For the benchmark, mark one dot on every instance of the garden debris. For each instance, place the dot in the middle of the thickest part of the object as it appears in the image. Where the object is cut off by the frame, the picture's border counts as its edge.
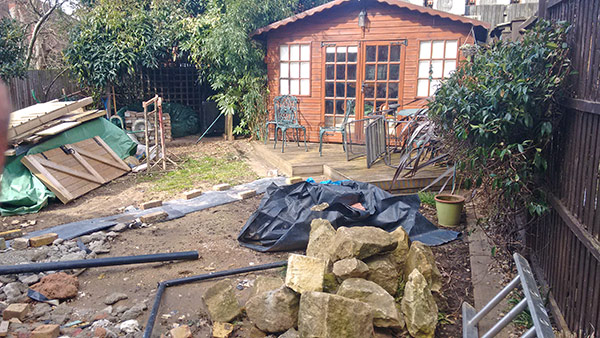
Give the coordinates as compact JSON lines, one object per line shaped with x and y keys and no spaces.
{"x":20,"y":243}
{"x":418,"y":306}
{"x":46,"y":331}
{"x":221,"y":302}
{"x":114,"y":297}
{"x":2,"y":243}
{"x":151,"y":204}
{"x":4,"y":328}
{"x":222,"y":330}
{"x":274,"y":311}
{"x":247,"y":194}
{"x":57,"y":286}
{"x":320,"y":207}
{"x":154,"y":217}
{"x":350,"y":268}
{"x":129,"y":326}
{"x":10,"y":234}
{"x":192,"y":194}
{"x":182,"y":331}
{"x":41,"y":240}
{"x":221,"y":187}
{"x":293,"y":180}
{"x":421,"y":257}
{"x":18,"y":310}
{"x":305,"y":273}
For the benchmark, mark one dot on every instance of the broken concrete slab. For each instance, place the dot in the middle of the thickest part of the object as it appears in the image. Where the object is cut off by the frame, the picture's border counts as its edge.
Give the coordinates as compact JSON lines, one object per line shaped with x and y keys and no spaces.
{"x":362,"y":242}
{"x":221,"y":302}
{"x":305,"y":273}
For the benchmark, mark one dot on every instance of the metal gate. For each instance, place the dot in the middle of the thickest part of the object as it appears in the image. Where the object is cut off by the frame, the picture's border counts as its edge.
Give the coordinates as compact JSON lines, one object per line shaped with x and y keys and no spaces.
{"x":375,"y":134}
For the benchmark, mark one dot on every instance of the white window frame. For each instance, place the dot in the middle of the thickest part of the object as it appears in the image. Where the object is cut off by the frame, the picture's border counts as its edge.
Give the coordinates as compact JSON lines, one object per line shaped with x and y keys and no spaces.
{"x":449,"y":55}
{"x":295,"y":69}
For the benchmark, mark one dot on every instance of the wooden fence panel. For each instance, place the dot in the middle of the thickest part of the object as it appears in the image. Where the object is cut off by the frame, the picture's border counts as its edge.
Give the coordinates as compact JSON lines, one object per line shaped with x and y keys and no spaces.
{"x":46,"y":85}
{"x":566,"y":242}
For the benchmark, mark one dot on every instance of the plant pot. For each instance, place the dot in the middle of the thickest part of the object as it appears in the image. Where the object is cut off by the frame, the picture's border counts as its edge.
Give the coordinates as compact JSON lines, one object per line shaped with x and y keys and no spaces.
{"x":449,"y":208}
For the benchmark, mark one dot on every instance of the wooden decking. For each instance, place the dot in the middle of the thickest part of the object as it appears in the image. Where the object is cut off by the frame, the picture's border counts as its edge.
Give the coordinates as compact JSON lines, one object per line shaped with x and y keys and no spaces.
{"x":295,"y":161}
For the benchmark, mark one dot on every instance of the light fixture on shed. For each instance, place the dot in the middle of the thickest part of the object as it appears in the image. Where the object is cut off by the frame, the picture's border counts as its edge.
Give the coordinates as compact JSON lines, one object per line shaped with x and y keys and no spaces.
{"x":362,"y":19}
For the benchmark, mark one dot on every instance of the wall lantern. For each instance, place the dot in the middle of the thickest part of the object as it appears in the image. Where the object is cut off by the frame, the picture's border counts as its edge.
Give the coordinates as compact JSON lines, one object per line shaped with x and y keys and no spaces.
{"x":362,"y":19}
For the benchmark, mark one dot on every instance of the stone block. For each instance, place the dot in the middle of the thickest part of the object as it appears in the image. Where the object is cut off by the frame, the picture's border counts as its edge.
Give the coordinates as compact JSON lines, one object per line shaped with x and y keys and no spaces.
{"x":362,"y":242}
{"x":10,"y":234}
{"x":46,"y":331}
{"x":20,"y":243}
{"x":151,"y":204}
{"x":293,"y":180}
{"x":247,"y":194}
{"x":421,"y":257}
{"x":419,"y":307}
{"x":17,"y":310}
{"x":350,"y":268}
{"x":320,"y":240}
{"x":192,"y":194}
{"x":274,"y":311}
{"x":221,"y":302}
{"x":4,"y":328}
{"x":154,"y":217}
{"x":383,"y":272}
{"x":41,"y":240}
{"x":182,"y":331}
{"x":400,"y":254}
{"x":266,"y":283}
{"x":305,"y":273}
{"x":221,"y":187}
{"x":222,"y":330}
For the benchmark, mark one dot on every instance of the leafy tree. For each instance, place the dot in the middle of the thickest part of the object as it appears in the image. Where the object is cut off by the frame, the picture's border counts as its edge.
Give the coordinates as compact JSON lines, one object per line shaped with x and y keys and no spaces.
{"x":12,"y":49}
{"x":497,"y":114}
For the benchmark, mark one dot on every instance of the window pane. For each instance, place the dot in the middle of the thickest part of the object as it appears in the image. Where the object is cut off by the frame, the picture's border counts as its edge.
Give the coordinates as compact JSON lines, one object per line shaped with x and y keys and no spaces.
{"x":351,"y":72}
{"x":305,"y":52}
{"x":340,"y":72}
{"x":394,"y":72}
{"x":368,"y":107}
{"x":339,"y":89}
{"x":449,"y":67}
{"x":381,"y":72}
{"x":370,"y":72}
{"x":369,"y":89}
{"x":339,"y":107}
{"x":295,"y":87}
{"x":436,"y":66}
{"x":294,"y":70}
{"x":395,"y":53}
{"x":329,"y":89}
{"x":433,"y":86}
{"x":329,"y":72}
{"x":423,"y":69}
{"x":371,"y":50}
{"x":284,"y":70}
{"x":352,"y":52}
{"x":422,"y":88}
{"x":284,"y":52}
{"x":351,"y":89}
{"x":382,"y":53}
{"x":451,"y":49}
{"x":393,"y":90}
{"x":304,"y":87}
{"x":380,"y":105}
{"x":341,"y":54}
{"x":329,"y":119}
{"x":381,"y":90}
{"x":425,"y":50}
{"x":328,"y":106}
{"x":438,"y":50}
{"x":295,"y":52}
{"x":305,"y":70}
{"x":284,"y":87}
{"x":330,"y":54}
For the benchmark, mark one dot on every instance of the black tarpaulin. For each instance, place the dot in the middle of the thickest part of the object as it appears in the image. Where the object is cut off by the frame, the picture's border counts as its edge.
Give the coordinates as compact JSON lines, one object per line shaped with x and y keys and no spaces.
{"x":282,"y":221}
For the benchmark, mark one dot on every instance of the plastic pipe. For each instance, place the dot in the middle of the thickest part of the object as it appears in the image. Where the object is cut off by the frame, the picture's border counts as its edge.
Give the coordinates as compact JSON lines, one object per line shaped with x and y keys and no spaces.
{"x":173,"y":282}
{"x":90,"y":263}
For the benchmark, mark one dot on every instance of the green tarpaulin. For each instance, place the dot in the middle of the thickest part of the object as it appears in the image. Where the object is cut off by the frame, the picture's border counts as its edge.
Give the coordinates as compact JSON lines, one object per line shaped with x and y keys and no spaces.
{"x":22,"y":193}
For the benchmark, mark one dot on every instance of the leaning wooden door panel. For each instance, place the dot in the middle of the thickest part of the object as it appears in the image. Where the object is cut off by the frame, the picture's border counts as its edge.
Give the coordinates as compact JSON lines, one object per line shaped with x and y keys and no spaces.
{"x":75,"y":169}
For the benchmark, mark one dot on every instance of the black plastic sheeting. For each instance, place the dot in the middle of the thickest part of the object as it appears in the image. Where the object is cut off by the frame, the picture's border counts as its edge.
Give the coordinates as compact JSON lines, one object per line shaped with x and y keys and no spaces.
{"x":282,"y":221}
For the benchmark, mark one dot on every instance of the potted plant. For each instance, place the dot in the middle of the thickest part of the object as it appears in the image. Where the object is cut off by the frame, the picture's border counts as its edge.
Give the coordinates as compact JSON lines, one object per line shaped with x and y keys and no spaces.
{"x":449,"y":208}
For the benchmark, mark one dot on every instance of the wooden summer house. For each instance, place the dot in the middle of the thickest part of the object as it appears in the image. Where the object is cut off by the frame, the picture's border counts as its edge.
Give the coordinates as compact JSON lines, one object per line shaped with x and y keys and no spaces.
{"x":376,"y":52}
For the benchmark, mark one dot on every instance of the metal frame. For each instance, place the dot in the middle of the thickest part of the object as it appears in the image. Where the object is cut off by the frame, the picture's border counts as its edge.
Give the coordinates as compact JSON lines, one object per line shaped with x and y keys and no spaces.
{"x":376,"y":140}
{"x":542,"y":328}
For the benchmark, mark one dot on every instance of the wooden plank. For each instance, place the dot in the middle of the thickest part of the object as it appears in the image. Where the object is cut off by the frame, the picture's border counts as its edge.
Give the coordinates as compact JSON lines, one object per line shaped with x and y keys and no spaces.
{"x":592,"y":107}
{"x":48,"y":179}
{"x":68,"y":170}
{"x":591,"y":243}
{"x":57,"y":129}
{"x":117,"y":159}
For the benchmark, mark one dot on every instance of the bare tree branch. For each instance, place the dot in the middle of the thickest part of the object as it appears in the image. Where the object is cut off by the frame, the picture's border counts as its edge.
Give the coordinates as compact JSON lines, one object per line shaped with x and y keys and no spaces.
{"x":37,"y":28}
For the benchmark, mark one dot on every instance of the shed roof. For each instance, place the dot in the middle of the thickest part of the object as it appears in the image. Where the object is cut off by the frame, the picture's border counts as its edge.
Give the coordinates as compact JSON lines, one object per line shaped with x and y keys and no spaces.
{"x":397,"y":3}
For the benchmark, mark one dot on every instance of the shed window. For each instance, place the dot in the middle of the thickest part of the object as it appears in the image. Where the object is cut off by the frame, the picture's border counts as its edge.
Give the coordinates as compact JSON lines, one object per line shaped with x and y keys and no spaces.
{"x":294,"y":69}
{"x":437,"y":61}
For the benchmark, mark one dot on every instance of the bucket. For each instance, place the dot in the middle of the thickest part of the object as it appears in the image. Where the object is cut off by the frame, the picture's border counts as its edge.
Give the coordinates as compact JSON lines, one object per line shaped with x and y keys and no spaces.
{"x":449,"y":207}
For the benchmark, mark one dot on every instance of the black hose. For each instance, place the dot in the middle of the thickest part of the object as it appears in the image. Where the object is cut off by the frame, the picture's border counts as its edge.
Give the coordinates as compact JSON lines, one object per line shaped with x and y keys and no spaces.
{"x":90,"y":263}
{"x":173,"y":282}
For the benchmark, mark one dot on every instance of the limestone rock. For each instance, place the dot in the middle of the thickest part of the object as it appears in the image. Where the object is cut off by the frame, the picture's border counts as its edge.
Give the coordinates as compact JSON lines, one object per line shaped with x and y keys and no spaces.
{"x":274,"y":311}
{"x":324,"y":315}
{"x":361,"y":242}
{"x":305,"y":273}
{"x":418,"y":306}
{"x":385,"y":313}
{"x":134,"y":312}
{"x":114,"y":297}
{"x":221,"y":301}
{"x":266,"y":283}
{"x":330,"y":283}
{"x":57,"y":286}
{"x":14,"y":291}
{"x":350,"y":268}
{"x":222,"y":330}
{"x":182,"y":331}
{"x":291,"y":333}
{"x":383,"y":272}
{"x":421,"y":257}
{"x":320,"y":240}
{"x":400,"y":254}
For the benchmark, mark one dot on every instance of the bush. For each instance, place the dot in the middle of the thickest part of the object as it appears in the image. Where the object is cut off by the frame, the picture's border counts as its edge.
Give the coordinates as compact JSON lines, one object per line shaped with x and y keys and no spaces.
{"x":496,"y":115}
{"x":12,"y":49}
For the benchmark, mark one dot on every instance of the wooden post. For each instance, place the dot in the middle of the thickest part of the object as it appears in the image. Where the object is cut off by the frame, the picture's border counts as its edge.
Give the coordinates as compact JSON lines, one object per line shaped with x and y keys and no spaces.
{"x":146,"y":137}
{"x":229,"y":127}
{"x":162,"y":132}
{"x":108,"y":99}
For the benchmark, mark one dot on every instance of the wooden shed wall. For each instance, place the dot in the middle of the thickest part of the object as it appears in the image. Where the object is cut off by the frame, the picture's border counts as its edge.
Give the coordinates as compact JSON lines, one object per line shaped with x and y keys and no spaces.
{"x":340,"y":24}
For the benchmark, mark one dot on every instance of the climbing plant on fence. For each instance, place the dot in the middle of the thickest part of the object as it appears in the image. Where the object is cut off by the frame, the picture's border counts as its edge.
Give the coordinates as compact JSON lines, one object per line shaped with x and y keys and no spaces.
{"x":497,"y":113}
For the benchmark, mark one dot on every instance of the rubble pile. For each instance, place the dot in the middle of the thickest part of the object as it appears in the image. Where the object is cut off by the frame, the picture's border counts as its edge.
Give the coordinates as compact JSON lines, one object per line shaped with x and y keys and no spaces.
{"x":352,"y":282}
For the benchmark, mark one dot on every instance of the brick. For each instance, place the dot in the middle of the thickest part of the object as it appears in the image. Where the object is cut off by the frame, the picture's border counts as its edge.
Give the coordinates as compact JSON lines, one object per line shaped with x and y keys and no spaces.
{"x":4,"y":328}
{"x":221,"y":187}
{"x":10,"y":234}
{"x":2,"y":243}
{"x":20,"y":243}
{"x":293,"y":180}
{"x":41,"y":240}
{"x":182,"y":331}
{"x":16,"y":310}
{"x":46,"y":331}
{"x":154,"y":217}
{"x":150,"y":204}
{"x":192,"y":194}
{"x":247,"y":194}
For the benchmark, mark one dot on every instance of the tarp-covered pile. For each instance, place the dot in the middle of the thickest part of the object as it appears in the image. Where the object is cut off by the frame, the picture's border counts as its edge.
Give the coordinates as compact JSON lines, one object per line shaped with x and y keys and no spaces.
{"x":282,"y":221}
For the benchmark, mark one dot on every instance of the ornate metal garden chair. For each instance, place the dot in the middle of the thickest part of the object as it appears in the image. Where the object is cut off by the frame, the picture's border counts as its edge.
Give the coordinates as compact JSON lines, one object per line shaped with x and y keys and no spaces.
{"x":286,"y":117}
{"x":341,"y":128}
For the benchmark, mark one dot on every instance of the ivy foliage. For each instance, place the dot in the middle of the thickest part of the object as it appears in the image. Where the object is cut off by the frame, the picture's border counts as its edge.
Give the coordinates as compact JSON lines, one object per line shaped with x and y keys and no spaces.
{"x":12,"y":49}
{"x":498,"y":111}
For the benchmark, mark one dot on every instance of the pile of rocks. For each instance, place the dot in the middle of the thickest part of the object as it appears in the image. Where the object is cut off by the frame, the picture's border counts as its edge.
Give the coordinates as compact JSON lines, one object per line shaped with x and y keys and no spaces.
{"x":350,"y":282}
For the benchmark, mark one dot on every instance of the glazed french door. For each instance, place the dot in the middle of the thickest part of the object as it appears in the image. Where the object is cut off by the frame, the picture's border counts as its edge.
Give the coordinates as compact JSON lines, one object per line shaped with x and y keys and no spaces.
{"x":340,"y":81}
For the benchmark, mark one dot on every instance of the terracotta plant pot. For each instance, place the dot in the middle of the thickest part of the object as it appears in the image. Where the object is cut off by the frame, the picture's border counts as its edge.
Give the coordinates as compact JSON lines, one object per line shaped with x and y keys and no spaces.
{"x":449,"y":208}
